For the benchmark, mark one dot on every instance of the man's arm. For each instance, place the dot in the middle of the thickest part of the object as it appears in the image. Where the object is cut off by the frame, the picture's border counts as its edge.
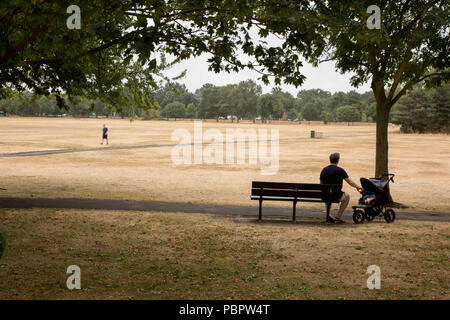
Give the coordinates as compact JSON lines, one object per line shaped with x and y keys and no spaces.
{"x":353,"y":184}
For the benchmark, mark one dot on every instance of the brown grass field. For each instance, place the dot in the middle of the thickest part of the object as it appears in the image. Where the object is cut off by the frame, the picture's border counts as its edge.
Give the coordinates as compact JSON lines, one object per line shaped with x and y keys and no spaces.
{"x":420,"y":162}
{"x":153,"y":255}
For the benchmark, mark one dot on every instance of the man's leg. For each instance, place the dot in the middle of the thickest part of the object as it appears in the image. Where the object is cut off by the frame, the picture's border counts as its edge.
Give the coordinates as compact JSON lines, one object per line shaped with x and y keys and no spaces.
{"x":343,"y":204}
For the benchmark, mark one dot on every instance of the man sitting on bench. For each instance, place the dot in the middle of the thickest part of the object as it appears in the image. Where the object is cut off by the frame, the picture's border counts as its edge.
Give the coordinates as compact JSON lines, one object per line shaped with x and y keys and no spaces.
{"x":332,"y":174}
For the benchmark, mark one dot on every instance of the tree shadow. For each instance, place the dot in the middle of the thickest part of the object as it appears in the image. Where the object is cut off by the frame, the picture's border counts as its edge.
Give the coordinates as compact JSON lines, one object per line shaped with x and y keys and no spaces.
{"x":286,"y":222}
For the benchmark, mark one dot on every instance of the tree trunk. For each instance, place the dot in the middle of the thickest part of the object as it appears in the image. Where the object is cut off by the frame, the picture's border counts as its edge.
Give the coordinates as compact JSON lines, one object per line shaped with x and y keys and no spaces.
{"x":381,"y":157}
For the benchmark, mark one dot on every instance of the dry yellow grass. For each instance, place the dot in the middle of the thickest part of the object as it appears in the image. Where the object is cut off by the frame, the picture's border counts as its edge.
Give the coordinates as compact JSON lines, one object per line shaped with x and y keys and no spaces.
{"x":151,"y":255}
{"x":420,"y":162}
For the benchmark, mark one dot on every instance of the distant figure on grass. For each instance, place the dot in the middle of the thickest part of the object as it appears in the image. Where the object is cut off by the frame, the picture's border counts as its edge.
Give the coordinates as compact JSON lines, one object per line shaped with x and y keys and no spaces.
{"x":332,"y":174}
{"x":105,"y":134}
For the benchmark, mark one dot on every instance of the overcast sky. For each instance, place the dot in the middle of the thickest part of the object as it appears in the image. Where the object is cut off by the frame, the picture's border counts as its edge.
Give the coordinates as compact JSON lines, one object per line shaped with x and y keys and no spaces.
{"x":324,"y":77}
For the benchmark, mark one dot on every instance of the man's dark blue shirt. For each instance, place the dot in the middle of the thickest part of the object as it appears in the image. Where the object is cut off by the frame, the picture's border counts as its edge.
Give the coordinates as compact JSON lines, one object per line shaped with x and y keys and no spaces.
{"x":333,"y":174}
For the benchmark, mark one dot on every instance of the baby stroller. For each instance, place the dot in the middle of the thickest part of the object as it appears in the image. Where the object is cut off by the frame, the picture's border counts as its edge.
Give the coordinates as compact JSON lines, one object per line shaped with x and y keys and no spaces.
{"x":377,"y":188}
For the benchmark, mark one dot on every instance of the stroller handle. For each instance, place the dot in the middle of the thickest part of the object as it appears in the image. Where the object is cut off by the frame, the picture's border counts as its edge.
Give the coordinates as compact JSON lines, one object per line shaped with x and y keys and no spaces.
{"x":389,"y":175}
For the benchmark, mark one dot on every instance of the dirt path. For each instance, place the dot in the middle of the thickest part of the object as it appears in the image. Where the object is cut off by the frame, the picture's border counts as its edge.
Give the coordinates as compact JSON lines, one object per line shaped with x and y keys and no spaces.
{"x":148,"y":146}
{"x":104,"y":204}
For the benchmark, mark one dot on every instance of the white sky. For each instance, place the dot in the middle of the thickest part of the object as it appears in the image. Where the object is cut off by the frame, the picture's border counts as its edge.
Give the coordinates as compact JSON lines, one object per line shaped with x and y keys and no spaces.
{"x":324,"y":77}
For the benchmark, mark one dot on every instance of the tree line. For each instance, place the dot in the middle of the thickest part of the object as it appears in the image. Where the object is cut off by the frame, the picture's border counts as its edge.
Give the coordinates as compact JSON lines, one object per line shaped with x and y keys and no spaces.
{"x":236,"y":101}
{"x":245,"y":100}
{"x":421,"y":110}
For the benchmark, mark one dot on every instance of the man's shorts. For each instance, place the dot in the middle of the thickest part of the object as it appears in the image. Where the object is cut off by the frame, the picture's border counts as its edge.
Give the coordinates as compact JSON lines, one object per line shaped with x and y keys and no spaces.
{"x":105,"y":136}
{"x":343,"y":195}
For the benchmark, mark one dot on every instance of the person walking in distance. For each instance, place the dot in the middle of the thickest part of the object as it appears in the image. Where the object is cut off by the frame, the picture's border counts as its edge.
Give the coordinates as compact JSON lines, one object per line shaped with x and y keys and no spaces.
{"x":105,"y":134}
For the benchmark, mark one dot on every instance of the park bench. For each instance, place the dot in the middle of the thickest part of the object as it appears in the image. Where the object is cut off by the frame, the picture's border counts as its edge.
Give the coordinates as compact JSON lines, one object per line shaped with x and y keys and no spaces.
{"x":295,"y":192}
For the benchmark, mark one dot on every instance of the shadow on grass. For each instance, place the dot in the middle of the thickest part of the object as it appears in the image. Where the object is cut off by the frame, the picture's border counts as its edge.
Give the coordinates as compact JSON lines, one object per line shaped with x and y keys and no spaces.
{"x":300,"y":222}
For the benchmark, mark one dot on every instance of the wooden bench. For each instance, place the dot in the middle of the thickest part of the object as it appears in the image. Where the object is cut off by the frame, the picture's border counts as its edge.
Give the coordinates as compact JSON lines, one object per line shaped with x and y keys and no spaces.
{"x":295,"y":192}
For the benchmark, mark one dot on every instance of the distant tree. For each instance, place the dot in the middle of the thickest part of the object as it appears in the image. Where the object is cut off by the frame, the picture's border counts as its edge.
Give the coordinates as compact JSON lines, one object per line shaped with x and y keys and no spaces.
{"x":151,"y":114}
{"x":174,"y":110}
{"x":249,"y":92}
{"x":278,"y":108}
{"x":199,"y":92}
{"x":311,"y":111}
{"x":209,"y":102}
{"x":292,"y":114}
{"x":288,"y":101}
{"x":191,"y":111}
{"x":370,"y":112}
{"x":423,"y":111}
{"x":352,"y":98}
{"x":231,"y":101}
{"x":305,"y":96}
{"x":268,"y":106}
{"x":334,"y":101}
{"x":174,"y":91}
{"x":99,"y":107}
{"x":348,"y":114}
{"x":327,"y":116}
{"x":440,"y":98}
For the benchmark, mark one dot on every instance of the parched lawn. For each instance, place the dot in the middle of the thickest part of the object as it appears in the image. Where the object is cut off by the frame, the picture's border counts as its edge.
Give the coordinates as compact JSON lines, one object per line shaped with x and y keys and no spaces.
{"x":153,"y":255}
{"x":420,"y":162}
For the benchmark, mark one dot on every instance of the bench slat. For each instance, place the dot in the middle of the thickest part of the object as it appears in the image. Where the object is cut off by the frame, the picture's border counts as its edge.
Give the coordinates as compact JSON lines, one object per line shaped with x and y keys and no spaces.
{"x":290,"y":193}
{"x":277,"y":185}
{"x":293,"y":186}
{"x":290,"y":199}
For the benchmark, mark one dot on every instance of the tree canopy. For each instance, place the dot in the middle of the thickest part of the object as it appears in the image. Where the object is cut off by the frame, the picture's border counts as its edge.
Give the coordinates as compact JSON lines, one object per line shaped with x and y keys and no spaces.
{"x":348,"y":114}
{"x":40,"y":53}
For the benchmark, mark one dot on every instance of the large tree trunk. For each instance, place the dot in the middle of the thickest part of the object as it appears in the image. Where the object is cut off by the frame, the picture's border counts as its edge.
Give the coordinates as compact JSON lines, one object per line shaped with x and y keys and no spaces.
{"x":381,"y":158}
{"x":382,"y":155}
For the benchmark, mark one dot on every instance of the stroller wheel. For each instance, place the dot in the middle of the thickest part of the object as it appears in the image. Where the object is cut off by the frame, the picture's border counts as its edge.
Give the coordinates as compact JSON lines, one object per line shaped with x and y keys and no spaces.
{"x":358,"y":216}
{"x":389,"y":215}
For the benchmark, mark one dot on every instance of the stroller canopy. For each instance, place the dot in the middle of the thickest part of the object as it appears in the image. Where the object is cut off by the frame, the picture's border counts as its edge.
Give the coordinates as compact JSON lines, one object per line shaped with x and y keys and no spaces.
{"x":374,"y":185}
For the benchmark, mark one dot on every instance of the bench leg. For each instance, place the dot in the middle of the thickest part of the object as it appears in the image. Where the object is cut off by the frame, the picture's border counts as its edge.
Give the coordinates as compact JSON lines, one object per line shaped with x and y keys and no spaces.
{"x":328,"y":211}
{"x":293,"y":211}
{"x":260,"y":210}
